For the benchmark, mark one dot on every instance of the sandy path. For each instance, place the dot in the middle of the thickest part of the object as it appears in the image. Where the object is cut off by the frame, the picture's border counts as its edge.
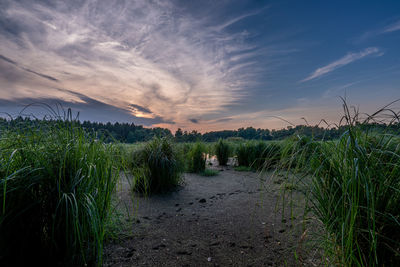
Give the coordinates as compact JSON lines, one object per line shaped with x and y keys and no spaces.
{"x":225,"y":220}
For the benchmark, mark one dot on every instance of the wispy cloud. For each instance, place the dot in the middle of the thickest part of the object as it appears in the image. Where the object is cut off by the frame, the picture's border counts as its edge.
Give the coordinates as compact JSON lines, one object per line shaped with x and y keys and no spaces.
{"x":347,"y":59}
{"x":6,"y":59}
{"x":392,"y":27}
{"x":234,"y":20}
{"x":138,"y":55}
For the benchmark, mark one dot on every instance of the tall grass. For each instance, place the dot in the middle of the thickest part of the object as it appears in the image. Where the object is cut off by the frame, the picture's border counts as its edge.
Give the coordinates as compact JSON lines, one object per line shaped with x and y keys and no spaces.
{"x":160,"y":167}
{"x":244,"y":155}
{"x":55,"y":191}
{"x":222,"y":151}
{"x":258,"y":154}
{"x":197,"y":158}
{"x":354,"y":191}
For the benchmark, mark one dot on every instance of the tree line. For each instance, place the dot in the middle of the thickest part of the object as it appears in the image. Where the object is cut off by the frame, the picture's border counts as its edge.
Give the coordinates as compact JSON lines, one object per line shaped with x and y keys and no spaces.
{"x":131,"y":133}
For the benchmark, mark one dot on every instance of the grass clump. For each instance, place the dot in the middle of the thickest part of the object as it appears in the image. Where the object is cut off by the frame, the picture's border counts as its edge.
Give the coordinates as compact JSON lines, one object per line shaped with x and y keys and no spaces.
{"x":222,"y":151}
{"x":353,"y":188}
{"x":197,"y":158}
{"x":159,"y":167}
{"x":272,"y":155}
{"x":258,"y":155}
{"x":356,"y":188}
{"x":244,"y":155}
{"x":56,"y":184}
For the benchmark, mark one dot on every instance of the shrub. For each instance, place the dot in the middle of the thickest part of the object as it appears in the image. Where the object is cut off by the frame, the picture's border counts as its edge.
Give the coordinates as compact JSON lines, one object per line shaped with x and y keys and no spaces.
{"x":55,"y":192}
{"x":222,"y":151}
{"x":197,"y":158}
{"x":161,"y":168}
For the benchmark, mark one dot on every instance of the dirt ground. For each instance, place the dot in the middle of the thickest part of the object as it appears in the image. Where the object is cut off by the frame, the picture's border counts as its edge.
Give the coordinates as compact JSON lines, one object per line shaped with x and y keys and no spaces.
{"x":225,"y":220}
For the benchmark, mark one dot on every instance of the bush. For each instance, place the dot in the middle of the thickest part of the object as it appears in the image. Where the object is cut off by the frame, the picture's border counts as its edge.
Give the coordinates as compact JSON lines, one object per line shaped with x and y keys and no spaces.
{"x":222,"y":151}
{"x":161,"y":168}
{"x":55,"y":192}
{"x":197,"y":158}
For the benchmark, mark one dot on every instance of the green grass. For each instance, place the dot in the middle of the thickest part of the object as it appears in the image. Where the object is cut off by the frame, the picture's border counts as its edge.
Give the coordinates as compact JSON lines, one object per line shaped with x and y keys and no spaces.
{"x":258,"y":155}
{"x":56,"y":184}
{"x":272,"y":154}
{"x":352,"y":187}
{"x":209,"y":172}
{"x":222,"y":151}
{"x":197,"y":158}
{"x":158,"y":167}
{"x":244,"y":154}
{"x":130,"y":154}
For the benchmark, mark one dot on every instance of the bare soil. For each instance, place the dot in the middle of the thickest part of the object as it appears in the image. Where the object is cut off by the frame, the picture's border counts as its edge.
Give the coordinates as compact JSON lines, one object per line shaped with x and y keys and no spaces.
{"x":225,"y":220}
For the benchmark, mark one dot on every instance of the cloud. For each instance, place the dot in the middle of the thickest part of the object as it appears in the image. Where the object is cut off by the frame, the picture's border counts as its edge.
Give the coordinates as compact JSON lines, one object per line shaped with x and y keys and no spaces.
{"x":28,"y":70}
{"x":194,"y":120}
{"x":392,"y":27}
{"x":8,"y":60}
{"x":395,"y":26}
{"x":235,"y":20}
{"x":347,"y":59}
{"x":41,"y":75}
{"x":223,"y":120}
{"x":88,"y":109}
{"x":149,"y":53}
{"x":140,"y":108}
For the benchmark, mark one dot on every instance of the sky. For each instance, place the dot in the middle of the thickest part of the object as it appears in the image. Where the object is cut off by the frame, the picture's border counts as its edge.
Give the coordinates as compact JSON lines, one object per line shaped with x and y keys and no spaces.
{"x":199,"y":65}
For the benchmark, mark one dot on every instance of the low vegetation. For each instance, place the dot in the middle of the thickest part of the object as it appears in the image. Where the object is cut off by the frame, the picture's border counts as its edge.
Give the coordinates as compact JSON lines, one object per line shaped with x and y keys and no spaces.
{"x":60,"y":178}
{"x":257,"y":155}
{"x":222,"y":151}
{"x":56,"y":183}
{"x":158,"y":167}
{"x":197,"y":158}
{"x":353,"y":188}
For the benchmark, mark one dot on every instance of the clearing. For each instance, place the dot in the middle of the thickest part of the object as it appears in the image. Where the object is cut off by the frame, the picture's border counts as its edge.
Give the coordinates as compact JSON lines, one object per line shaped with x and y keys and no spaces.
{"x":224,"y":220}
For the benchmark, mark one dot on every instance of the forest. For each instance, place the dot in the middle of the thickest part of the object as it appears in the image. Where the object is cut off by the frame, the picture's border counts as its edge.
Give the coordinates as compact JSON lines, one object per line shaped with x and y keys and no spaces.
{"x":131,"y":133}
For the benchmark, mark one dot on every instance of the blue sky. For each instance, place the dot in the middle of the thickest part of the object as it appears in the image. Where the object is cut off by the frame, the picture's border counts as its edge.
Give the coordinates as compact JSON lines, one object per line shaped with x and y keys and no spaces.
{"x":204,"y":65}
